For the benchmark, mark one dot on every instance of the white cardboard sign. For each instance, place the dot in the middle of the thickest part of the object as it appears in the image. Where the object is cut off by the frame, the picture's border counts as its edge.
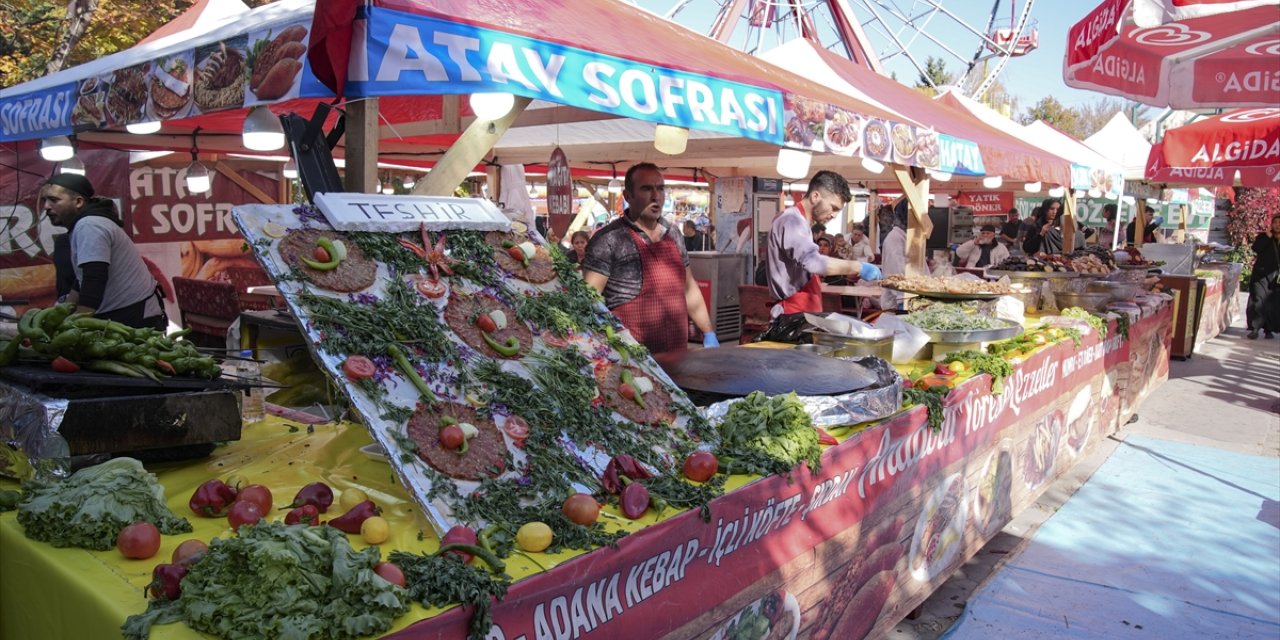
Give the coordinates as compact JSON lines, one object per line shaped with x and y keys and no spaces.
{"x":374,"y":212}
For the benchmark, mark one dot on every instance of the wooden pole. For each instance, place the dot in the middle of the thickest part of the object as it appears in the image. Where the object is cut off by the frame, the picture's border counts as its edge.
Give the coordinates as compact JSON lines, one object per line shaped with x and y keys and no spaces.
{"x":915,"y":187}
{"x":1181,"y":236}
{"x":362,"y":146}
{"x":468,"y":151}
{"x":1068,"y":221}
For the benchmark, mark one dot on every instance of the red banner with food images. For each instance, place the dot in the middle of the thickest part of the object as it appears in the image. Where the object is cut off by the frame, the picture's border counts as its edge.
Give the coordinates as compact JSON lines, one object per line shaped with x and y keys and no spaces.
{"x":986,"y":203}
{"x":845,"y":552}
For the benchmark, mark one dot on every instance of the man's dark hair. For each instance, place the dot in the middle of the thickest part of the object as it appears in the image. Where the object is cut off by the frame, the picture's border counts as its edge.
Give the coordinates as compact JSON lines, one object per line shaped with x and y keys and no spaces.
{"x":987,"y":227}
{"x":1108,"y":211}
{"x":831,"y":182}
{"x":626,"y":183}
{"x":818,"y":227}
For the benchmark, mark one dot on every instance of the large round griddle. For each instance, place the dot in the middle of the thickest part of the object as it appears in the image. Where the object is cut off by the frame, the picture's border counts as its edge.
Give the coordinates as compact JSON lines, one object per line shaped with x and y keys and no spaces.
{"x":738,"y":371}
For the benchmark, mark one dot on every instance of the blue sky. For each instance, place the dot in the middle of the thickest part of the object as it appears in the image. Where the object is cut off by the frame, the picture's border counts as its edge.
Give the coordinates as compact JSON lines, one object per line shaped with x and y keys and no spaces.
{"x":1029,"y":77}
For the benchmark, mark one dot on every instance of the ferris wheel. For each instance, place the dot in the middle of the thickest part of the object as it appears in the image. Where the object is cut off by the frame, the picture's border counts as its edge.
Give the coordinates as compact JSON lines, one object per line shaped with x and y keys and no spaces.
{"x":876,"y":33}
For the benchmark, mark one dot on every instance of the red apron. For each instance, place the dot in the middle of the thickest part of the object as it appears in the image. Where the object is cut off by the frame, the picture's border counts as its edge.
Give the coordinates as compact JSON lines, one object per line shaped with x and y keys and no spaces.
{"x":658,"y":316}
{"x":809,"y":298}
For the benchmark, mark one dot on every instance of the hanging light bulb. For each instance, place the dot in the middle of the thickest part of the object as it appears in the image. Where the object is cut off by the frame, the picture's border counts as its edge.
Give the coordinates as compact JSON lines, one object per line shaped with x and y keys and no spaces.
{"x":262,"y":130}
{"x":71,"y":165}
{"x":1032,"y":187}
{"x":1095,"y":193}
{"x":143,"y":128}
{"x":793,"y":163}
{"x":1056,"y":192}
{"x":615,"y":186}
{"x":388,"y":187}
{"x":198,"y":179}
{"x":872,"y":165}
{"x":491,"y":105}
{"x":533,"y":191}
{"x":992,"y":182}
{"x":56,"y":148}
{"x":670,"y":140}
{"x":940,"y":176}
{"x":290,"y":170}
{"x":1079,"y":193}
{"x":409,"y":181}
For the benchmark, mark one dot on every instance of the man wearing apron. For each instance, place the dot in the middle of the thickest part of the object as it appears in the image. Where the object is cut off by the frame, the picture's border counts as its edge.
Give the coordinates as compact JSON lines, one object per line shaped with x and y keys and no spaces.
{"x":794,"y":265}
{"x":638,"y":262}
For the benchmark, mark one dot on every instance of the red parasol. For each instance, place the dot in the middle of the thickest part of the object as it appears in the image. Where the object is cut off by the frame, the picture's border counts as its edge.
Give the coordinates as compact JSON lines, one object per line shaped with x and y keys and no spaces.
{"x":1211,"y":151}
{"x":1184,"y":54}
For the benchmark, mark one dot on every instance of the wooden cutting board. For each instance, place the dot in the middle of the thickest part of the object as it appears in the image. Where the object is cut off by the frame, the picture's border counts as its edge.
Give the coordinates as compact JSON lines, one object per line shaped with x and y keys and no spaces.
{"x":738,"y":371}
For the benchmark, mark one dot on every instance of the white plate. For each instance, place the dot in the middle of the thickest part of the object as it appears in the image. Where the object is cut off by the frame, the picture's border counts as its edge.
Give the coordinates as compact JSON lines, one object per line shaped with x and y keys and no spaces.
{"x":375,"y":452}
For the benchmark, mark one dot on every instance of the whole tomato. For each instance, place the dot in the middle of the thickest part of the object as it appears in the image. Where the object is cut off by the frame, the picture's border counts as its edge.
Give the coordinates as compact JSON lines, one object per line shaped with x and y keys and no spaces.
{"x":243,"y":513}
{"x":138,"y":541}
{"x":581,"y":509}
{"x":190,"y":552}
{"x":257,"y":494}
{"x":452,"y":437}
{"x":700,"y":466}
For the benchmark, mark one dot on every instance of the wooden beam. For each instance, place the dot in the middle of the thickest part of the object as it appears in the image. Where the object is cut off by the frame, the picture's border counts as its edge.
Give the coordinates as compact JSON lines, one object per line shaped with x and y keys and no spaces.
{"x":234,"y":176}
{"x":915,"y":186}
{"x":1069,"y":221}
{"x":1180,"y":236}
{"x":470,"y":149}
{"x":362,"y":146}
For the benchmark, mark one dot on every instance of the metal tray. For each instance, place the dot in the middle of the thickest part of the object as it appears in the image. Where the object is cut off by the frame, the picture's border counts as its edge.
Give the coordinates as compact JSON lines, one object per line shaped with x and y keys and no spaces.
{"x":737,"y":371}
{"x":1034,"y":275}
{"x":947,"y":295}
{"x":1142,"y":267}
{"x":1010,"y":330}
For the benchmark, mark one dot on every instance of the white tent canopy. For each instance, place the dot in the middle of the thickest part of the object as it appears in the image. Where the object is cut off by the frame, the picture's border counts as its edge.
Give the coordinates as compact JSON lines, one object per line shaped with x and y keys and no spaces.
{"x":1120,"y":141}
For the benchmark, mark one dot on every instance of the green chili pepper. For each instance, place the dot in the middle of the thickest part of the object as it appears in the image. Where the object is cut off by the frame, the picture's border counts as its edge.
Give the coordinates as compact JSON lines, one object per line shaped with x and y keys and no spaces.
{"x":326,"y":244}
{"x":505,"y":349}
{"x":495,"y":563}
{"x":402,"y":362}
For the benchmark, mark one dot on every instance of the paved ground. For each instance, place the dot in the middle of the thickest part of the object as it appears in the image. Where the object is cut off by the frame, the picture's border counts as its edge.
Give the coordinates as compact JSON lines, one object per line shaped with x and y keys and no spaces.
{"x":1227,"y":395}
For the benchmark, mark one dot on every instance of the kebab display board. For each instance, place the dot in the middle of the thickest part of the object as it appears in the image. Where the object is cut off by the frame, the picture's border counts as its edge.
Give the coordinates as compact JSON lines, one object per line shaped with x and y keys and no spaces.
{"x":480,"y":360}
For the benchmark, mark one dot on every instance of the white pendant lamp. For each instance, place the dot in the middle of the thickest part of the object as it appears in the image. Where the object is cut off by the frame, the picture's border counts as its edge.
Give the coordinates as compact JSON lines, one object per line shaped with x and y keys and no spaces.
{"x":197,"y":179}
{"x":72,"y":165}
{"x":872,"y":165}
{"x":992,"y":182}
{"x":793,"y":163}
{"x":56,"y":148}
{"x":143,"y":128}
{"x":491,"y":105}
{"x":290,"y":170}
{"x":670,"y":140}
{"x":409,"y":181}
{"x":262,"y":130}
{"x":1057,"y":192}
{"x":1095,"y":193}
{"x":940,"y":176}
{"x":1032,"y":187}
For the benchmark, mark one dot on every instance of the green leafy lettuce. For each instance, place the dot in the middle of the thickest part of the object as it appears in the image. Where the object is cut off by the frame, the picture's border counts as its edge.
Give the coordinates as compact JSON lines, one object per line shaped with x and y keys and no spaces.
{"x":90,"y":508}
{"x":288,"y":582}
{"x":768,"y":435}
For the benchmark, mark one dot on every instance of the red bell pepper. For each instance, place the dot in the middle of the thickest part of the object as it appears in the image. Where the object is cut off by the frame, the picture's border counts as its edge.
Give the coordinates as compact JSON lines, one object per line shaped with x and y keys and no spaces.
{"x":212,"y":499}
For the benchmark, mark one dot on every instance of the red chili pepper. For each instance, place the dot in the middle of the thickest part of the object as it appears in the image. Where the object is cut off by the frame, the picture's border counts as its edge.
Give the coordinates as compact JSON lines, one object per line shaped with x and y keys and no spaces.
{"x":307,"y":514}
{"x":212,"y":499}
{"x":317,"y":494}
{"x":825,"y":438}
{"x":624,"y":465}
{"x":166,"y":581}
{"x":63,"y":365}
{"x":166,"y":367}
{"x":350,"y":521}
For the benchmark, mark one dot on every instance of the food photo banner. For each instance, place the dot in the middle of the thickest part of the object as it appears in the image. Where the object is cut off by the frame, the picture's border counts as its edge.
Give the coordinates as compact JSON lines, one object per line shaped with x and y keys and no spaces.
{"x":262,"y":65}
{"x":409,"y":54}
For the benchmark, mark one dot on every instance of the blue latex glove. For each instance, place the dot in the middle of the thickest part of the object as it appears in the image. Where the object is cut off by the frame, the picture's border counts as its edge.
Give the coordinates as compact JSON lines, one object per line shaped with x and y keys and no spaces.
{"x":709,"y":340}
{"x":870,"y":272}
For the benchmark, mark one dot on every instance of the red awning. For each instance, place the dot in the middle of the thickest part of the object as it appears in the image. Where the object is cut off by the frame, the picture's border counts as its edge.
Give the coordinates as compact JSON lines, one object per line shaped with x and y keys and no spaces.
{"x":1002,"y":154}
{"x":1188,"y":54}
{"x":1211,"y":151}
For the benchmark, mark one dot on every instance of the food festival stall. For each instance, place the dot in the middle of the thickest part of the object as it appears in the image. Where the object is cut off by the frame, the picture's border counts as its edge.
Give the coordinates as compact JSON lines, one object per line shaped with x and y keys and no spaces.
{"x":892,"y":509}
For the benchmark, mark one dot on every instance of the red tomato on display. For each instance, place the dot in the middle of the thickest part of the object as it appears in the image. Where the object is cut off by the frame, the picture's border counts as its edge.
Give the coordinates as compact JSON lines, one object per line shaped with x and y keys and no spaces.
{"x":358,"y":367}
{"x":243,"y":513}
{"x":138,"y":541}
{"x":485,"y":323}
{"x":516,"y":254}
{"x":389,"y":572}
{"x":516,"y":428}
{"x":431,"y":288}
{"x":190,"y":552}
{"x":452,"y":437}
{"x":319,"y":254}
{"x":627,"y":391}
{"x":581,"y":508}
{"x":257,"y":494}
{"x":700,"y":466}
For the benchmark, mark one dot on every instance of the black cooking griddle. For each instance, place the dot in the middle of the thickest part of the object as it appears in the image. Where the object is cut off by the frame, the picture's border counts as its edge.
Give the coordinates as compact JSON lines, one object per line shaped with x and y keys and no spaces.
{"x":732,"y":371}
{"x":91,"y":384}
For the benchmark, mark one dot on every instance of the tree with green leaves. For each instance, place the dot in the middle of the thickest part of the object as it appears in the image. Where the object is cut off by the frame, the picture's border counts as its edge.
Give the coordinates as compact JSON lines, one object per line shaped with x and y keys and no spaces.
{"x":934,"y":75}
{"x":1053,"y":112}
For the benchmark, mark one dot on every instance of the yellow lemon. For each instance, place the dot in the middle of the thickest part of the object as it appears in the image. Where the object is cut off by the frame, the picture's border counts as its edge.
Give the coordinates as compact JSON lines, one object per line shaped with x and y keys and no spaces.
{"x":274,"y":230}
{"x":352,"y":497}
{"x":375,"y":530}
{"x":534,"y":536}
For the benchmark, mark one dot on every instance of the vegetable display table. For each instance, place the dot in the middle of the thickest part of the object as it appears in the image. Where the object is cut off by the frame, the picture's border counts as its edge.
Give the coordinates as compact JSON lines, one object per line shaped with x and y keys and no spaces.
{"x":895,"y":508}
